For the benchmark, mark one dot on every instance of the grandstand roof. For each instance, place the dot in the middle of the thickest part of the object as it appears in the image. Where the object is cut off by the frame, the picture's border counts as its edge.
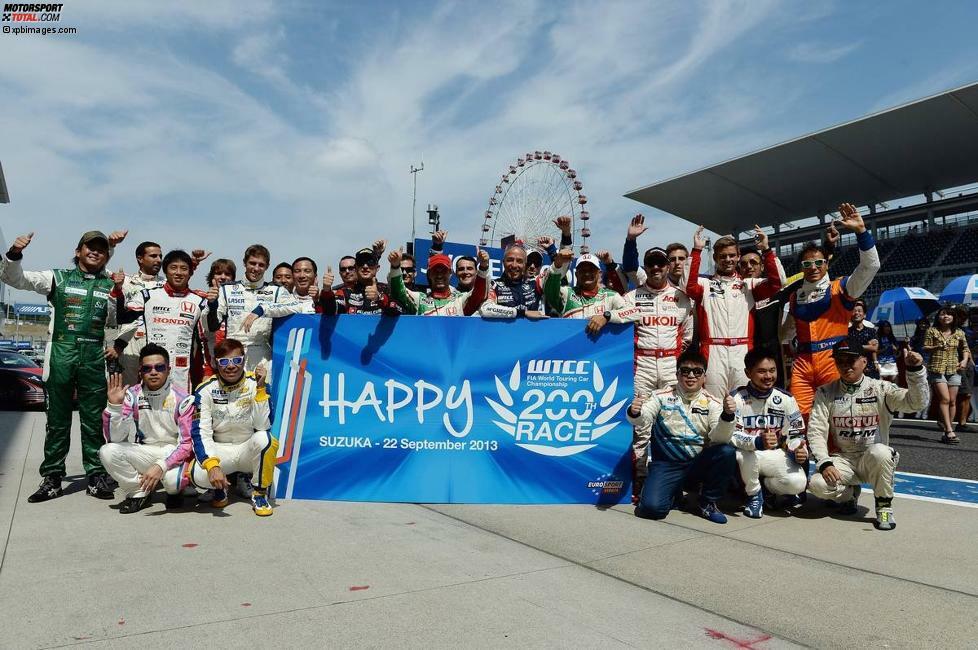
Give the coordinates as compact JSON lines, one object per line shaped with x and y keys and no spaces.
{"x":925,"y":145}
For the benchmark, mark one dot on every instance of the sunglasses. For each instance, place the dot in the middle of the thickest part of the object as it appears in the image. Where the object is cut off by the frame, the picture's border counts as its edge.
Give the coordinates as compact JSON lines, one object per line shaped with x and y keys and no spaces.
{"x":807,"y":264}
{"x":347,"y":269}
{"x":689,"y":371}
{"x":230,"y":361}
{"x":751,"y":262}
{"x":158,"y":367}
{"x":407,"y":269}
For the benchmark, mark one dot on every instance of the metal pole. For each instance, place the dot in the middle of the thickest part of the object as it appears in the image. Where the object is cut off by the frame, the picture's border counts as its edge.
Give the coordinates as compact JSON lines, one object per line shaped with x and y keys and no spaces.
{"x":414,"y":198}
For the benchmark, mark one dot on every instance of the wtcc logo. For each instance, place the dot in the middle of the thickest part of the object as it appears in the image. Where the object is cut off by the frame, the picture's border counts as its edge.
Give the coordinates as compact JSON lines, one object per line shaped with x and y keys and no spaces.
{"x":31,"y":13}
{"x":557,"y":417}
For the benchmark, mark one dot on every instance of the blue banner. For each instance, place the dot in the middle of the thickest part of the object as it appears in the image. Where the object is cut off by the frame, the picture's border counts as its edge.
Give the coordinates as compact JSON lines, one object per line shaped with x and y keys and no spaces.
{"x":451,"y":410}
{"x":454,"y":250}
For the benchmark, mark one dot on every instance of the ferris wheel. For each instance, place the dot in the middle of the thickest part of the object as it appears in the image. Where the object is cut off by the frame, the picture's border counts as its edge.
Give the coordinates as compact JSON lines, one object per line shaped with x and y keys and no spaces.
{"x":540,"y":187}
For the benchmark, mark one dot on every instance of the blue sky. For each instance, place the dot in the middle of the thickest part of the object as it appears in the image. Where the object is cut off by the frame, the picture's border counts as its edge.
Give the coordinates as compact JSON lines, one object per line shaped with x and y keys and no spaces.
{"x":222,"y":123}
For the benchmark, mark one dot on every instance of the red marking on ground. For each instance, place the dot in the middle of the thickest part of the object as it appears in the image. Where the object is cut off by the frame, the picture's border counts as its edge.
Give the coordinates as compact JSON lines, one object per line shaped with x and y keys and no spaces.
{"x":356,"y":588}
{"x":190,"y":545}
{"x":748,"y":644}
{"x":122,"y":621}
{"x":246,"y":604}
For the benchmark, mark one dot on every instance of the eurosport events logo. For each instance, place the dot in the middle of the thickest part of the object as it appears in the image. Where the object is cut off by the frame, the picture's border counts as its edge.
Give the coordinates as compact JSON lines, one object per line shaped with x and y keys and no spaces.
{"x":558,"y":408}
{"x":28,"y":18}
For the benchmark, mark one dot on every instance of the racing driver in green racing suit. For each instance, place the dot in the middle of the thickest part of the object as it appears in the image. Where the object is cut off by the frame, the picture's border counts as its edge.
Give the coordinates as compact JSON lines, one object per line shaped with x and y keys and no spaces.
{"x":83,"y":305}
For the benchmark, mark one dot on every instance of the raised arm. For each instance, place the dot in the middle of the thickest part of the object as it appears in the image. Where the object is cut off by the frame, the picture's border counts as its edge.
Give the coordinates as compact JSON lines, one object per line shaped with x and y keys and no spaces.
{"x":869,"y":260}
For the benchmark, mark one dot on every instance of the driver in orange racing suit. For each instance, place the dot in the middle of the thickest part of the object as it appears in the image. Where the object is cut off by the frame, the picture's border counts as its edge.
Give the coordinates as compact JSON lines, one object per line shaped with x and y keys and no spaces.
{"x":821,"y":308}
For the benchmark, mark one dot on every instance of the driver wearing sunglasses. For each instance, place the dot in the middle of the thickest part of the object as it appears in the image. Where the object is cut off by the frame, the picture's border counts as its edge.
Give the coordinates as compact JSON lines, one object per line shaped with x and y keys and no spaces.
{"x":147,"y":433}
{"x":230,"y":429}
{"x":689,"y":442}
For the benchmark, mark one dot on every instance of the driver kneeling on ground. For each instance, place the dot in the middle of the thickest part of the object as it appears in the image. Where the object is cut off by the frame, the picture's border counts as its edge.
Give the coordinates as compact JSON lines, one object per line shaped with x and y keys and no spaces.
{"x":691,"y":430}
{"x":849,"y":430}
{"x":230,"y":429}
{"x":147,"y":432}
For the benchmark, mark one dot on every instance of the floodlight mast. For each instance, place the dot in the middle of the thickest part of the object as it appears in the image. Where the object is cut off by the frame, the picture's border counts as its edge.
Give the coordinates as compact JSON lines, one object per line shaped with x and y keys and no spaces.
{"x":414,"y":198}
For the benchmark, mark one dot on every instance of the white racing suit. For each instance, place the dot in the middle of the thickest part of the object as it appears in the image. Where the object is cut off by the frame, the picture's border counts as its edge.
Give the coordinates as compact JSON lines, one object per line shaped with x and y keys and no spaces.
{"x":757,"y":413}
{"x":238,"y":299}
{"x":230,"y":431}
{"x":133,"y":333}
{"x":663,"y":329}
{"x":172,"y":320}
{"x":148,"y":428}
{"x":849,"y":428}
{"x":725,"y":318}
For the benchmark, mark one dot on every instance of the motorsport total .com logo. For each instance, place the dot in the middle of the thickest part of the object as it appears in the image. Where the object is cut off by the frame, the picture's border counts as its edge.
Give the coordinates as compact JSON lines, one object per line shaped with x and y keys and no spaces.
{"x":31,"y":13}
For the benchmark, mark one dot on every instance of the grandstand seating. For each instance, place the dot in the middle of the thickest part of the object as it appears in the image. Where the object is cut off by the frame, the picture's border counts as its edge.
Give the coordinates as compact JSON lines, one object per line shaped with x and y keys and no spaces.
{"x":965,"y":250}
{"x":920,"y":250}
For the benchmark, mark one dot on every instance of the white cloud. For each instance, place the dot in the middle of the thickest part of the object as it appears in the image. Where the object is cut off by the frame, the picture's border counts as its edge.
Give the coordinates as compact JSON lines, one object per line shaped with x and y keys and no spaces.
{"x":187,"y":152}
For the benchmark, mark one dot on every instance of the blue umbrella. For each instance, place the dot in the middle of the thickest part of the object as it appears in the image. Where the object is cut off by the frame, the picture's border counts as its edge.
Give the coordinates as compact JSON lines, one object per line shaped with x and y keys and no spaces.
{"x":962,"y":290}
{"x":905,"y":305}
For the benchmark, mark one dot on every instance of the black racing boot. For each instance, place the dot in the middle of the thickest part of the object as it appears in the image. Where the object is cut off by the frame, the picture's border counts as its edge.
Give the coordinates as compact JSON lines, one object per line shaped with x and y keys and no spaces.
{"x":135,"y":504}
{"x":99,"y":487}
{"x":50,"y":489}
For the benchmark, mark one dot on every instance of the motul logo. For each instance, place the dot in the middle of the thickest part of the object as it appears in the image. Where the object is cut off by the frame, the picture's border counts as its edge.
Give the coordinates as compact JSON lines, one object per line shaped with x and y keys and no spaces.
{"x":856,"y":421}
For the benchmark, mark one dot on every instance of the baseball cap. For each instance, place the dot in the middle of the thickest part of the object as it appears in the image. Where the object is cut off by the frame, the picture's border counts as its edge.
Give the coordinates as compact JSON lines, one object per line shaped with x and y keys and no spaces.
{"x":848,"y":347}
{"x":439,"y":260}
{"x":534,"y":257}
{"x":366,"y":256}
{"x":588,"y":258}
{"x":91,"y":236}
{"x":656,"y":252}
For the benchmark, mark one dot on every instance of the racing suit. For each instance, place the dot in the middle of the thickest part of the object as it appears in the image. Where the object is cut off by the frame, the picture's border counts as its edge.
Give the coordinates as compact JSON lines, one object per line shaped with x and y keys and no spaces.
{"x":690,"y":433}
{"x":74,"y":358}
{"x":236,"y":300}
{"x":849,"y":429}
{"x":663,"y":328}
{"x":570,"y":303}
{"x":758,"y":412}
{"x":352,"y":300}
{"x":508,"y":299}
{"x":819,"y":315}
{"x":432,"y":304}
{"x":172,"y":320}
{"x":230,"y":430}
{"x":148,"y":428}
{"x":134,"y":332}
{"x":725,"y":318}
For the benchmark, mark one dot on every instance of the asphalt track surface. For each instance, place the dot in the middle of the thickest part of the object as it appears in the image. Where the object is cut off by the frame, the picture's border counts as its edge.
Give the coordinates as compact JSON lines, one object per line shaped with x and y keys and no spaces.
{"x":921,"y":450}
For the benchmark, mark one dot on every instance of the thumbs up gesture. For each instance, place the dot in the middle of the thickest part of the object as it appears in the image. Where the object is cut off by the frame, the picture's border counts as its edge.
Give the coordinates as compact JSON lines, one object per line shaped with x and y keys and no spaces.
{"x":213,"y":291}
{"x":371,"y":292}
{"x":119,"y":277}
{"x":328,"y":277}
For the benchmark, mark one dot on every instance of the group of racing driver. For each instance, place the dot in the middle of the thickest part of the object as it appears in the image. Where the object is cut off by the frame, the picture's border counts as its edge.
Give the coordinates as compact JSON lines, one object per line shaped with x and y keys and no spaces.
{"x":170,"y":382}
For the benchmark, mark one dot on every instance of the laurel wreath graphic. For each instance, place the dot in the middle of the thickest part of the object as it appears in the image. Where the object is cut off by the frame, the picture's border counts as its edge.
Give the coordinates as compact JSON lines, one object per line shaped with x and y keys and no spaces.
{"x":601,"y":421}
